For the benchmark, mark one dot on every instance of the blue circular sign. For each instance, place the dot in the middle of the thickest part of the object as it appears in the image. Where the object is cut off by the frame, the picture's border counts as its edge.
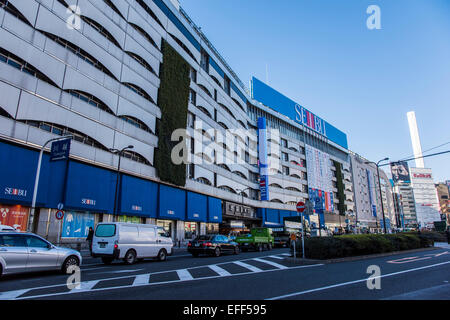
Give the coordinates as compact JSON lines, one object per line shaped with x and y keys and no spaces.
{"x":59,"y":214}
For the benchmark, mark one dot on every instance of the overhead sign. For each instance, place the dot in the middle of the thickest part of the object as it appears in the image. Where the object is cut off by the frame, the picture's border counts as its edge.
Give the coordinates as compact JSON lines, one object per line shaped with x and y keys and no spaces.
{"x":282,"y":104}
{"x":263,"y":159}
{"x":60,"y":150}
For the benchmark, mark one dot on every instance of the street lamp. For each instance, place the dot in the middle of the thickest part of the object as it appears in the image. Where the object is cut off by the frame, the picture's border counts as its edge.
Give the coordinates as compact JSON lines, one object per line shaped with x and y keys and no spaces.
{"x":118,"y":152}
{"x":242,"y":193}
{"x":379,"y":185}
{"x":36,"y":181}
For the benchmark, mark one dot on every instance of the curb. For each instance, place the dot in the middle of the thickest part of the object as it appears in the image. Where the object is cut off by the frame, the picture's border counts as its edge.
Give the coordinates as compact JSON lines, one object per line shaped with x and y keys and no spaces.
{"x":346,"y":259}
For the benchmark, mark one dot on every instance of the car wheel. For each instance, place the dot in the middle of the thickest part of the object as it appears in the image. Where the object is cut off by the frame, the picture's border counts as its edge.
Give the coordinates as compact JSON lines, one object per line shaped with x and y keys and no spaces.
{"x":1,"y":271}
{"x":107,"y":260}
{"x":130,"y":257}
{"x":217,"y":252}
{"x":70,"y":261}
{"x":162,"y":255}
{"x":236,"y":250}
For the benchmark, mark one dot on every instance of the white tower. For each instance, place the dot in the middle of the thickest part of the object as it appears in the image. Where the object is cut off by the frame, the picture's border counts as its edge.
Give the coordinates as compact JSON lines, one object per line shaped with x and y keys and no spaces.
{"x":415,"y":139}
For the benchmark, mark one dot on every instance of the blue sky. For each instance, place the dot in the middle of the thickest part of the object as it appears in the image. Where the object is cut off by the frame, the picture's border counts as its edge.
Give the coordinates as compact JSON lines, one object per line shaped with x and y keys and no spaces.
{"x":322,"y":55}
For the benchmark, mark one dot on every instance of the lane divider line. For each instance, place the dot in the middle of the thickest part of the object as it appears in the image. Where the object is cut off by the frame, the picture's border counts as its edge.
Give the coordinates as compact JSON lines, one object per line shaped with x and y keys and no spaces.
{"x":355,"y":281}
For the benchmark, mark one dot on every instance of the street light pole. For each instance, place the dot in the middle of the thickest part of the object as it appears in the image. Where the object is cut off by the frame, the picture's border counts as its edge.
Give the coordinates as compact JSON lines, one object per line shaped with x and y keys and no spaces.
{"x":381,"y":194}
{"x":119,"y":152}
{"x":36,"y":181}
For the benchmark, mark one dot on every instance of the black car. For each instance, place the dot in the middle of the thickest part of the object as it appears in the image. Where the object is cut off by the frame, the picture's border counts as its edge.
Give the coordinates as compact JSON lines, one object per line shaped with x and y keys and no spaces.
{"x":213,"y":245}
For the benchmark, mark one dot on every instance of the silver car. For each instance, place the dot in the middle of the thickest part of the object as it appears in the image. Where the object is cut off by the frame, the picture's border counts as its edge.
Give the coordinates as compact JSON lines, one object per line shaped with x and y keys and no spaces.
{"x":27,"y":252}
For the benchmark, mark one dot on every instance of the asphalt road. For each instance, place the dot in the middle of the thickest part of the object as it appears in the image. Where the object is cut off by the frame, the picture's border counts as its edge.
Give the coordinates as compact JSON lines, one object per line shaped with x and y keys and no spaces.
{"x":264,"y":275}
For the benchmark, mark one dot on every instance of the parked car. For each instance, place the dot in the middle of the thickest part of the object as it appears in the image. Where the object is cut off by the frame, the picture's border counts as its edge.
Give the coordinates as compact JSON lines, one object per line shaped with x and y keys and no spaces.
{"x":6,"y":228}
{"x":213,"y":245}
{"x":130,"y":242}
{"x":26,"y":252}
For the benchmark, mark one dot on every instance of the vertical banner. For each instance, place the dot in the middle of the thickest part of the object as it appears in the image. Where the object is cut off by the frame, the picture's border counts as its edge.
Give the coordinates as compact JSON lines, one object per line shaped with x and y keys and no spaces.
{"x":371,"y":192}
{"x":263,"y":159}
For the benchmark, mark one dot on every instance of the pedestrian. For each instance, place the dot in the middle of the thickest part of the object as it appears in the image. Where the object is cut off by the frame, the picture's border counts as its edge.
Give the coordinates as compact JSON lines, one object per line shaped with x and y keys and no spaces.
{"x":448,"y":234}
{"x":89,"y":238}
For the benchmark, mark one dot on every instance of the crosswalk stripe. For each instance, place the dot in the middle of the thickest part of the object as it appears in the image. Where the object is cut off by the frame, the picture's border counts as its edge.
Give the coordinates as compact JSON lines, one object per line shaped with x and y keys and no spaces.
{"x":277,"y":257}
{"x":9,"y":295}
{"x":86,"y":286}
{"x":219,"y":270}
{"x":247,"y":266}
{"x":277,"y":265}
{"x":141,"y":279}
{"x":183,"y":274}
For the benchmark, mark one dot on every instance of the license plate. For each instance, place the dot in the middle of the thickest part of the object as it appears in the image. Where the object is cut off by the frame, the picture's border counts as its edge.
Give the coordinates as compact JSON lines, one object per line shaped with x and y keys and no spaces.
{"x":197,"y":245}
{"x":102,"y":245}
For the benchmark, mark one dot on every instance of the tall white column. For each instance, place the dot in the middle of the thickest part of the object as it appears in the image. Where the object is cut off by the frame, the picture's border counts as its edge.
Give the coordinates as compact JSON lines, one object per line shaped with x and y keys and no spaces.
{"x":415,"y":139}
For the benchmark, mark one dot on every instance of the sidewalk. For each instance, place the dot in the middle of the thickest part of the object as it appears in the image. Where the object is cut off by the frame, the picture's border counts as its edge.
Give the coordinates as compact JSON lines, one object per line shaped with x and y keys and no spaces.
{"x":443,"y":245}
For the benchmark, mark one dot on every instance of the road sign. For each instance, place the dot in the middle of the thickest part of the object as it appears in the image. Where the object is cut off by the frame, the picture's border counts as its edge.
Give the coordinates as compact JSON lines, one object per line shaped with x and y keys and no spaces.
{"x":59,"y":214}
{"x":60,"y":150}
{"x":300,"y":207}
{"x":60,"y":206}
{"x":293,"y":237}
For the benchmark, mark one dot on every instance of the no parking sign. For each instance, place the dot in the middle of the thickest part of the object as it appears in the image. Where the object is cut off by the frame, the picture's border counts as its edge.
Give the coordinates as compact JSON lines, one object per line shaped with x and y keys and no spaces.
{"x":59,"y":214}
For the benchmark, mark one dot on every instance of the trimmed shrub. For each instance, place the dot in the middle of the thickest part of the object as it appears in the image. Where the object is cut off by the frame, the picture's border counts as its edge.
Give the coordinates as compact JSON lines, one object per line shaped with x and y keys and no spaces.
{"x":361,"y":244}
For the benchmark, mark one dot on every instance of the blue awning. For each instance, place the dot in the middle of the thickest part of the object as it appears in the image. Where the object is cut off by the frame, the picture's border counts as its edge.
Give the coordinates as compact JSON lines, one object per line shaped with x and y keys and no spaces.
{"x":284,"y":214}
{"x":272,"y":216}
{"x":172,"y":203}
{"x":90,"y":188}
{"x":214,"y":210}
{"x":197,"y":207}
{"x":138,"y":197}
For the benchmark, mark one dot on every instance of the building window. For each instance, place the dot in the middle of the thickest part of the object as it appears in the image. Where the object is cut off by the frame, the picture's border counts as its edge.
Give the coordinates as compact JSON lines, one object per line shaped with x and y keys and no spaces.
{"x":285,"y":170}
{"x":193,"y":75}
{"x":285,"y":156}
{"x":227,"y":83}
{"x":193,"y":97}
{"x":284,"y":143}
{"x":191,"y":171}
{"x":191,"y":120}
{"x":139,"y":91}
{"x":204,"y":62}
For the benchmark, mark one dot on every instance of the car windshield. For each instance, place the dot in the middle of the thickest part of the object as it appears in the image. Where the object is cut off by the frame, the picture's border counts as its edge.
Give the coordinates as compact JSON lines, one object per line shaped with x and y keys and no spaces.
{"x":105,"y":230}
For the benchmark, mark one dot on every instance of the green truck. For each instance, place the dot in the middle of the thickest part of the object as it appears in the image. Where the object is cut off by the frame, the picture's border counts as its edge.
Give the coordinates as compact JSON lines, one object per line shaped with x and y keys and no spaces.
{"x":258,"y":239}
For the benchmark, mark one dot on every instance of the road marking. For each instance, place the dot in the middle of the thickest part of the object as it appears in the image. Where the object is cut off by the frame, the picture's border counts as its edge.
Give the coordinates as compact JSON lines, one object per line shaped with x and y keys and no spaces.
{"x":247,"y":266}
{"x":127,"y":271}
{"x":437,"y":255}
{"x":85,"y":286}
{"x":141,"y":279}
{"x":277,"y":265}
{"x":9,"y":295}
{"x":407,"y":260}
{"x":277,"y":257}
{"x":158,"y":283}
{"x":219,"y":270}
{"x":184,"y":275}
{"x":355,"y":281}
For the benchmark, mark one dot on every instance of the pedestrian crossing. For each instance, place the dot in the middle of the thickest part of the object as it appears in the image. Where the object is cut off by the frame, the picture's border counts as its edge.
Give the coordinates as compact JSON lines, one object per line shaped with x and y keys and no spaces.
{"x":213,"y":271}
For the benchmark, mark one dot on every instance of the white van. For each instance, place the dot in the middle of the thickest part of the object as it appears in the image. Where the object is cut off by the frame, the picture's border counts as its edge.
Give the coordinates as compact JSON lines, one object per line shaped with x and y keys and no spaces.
{"x":130,"y":242}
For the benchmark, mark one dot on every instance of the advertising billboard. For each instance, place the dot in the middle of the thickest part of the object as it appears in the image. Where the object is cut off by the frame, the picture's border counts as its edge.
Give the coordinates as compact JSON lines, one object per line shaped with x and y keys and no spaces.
{"x":319,"y":172}
{"x":76,"y":224}
{"x":372,"y":194}
{"x":263,"y":159}
{"x":280,"y":103}
{"x":400,"y":172}
{"x":14,"y":216}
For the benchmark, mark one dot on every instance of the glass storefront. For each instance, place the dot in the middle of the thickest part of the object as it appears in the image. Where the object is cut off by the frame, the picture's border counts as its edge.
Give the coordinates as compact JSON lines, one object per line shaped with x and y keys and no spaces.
{"x":212,"y":228}
{"x":166,"y":225}
{"x":128,"y":219}
{"x":14,"y":216}
{"x":190,"y":230}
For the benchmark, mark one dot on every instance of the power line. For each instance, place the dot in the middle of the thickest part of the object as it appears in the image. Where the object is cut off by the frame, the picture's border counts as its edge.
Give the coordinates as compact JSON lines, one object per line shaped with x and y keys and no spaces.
{"x":428,"y":150}
{"x":430,"y":155}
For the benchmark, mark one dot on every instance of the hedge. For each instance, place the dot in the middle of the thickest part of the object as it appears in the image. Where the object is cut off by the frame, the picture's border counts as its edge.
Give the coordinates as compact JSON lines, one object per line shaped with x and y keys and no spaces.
{"x":360,"y":244}
{"x":173,"y":100}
